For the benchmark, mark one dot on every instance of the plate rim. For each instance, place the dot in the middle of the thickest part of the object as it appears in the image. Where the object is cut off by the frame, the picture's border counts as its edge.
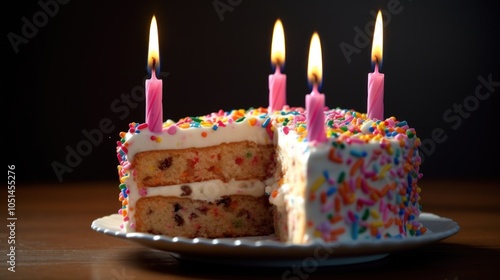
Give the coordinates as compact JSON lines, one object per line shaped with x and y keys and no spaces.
{"x":251,"y":248}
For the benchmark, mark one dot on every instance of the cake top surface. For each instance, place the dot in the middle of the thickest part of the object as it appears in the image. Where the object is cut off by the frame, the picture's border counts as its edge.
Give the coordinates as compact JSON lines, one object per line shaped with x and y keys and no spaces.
{"x":341,"y":125}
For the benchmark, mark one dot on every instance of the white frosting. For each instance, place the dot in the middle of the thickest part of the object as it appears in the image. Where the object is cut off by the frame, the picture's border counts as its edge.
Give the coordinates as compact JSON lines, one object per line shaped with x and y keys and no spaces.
{"x":192,"y":138}
{"x":211,"y":190}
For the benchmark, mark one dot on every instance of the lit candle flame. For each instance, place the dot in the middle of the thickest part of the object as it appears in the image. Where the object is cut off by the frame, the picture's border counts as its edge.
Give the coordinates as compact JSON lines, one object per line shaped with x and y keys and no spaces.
{"x":153,"y":50}
{"x":378,"y":36}
{"x":315,"y":64}
{"x":278,"y":45}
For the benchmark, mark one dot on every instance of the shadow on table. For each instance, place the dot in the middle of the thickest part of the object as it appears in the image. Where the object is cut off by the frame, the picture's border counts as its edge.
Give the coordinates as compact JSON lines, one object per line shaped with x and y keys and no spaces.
{"x":437,"y":261}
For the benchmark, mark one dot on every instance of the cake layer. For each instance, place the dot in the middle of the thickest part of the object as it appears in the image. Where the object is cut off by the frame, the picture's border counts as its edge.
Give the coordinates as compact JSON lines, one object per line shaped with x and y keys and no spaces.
{"x":243,"y":160}
{"x":229,"y":216}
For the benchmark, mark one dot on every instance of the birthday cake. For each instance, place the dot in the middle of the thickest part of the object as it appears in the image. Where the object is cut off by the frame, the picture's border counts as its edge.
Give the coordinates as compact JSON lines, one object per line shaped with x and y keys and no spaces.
{"x":253,"y":172}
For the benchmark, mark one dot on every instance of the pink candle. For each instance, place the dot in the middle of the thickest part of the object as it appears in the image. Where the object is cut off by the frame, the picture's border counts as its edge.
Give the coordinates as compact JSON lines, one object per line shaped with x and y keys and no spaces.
{"x":154,"y":86}
{"x":315,"y":102}
{"x":277,"y":90}
{"x":154,"y":108}
{"x":277,"y":81}
{"x":375,"y":101}
{"x":315,"y":106}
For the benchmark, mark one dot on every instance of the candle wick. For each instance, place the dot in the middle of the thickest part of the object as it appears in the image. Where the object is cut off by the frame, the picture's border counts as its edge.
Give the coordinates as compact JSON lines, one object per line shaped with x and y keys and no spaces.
{"x":154,"y":64}
{"x":315,"y":79}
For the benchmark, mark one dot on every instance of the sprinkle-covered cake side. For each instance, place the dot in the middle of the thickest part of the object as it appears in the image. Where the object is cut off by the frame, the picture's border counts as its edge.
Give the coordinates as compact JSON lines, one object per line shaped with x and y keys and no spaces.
{"x":360,"y":184}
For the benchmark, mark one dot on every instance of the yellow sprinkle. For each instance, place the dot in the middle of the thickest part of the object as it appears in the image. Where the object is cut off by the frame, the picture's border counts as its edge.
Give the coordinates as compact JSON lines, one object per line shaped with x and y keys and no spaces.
{"x":374,"y":214}
{"x":384,"y":170}
{"x":377,"y":224}
{"x":158,"y":139}
{"x":206,"y":124}
{"x":315,"y":186}
{"x":184,"y":125}
{"x":122,"y":179}
{"x":168,"y":123}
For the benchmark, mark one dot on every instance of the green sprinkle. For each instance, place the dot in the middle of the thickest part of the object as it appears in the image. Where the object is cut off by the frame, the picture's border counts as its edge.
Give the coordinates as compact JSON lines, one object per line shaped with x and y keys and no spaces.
{"x":240,"y":119}
{"x":362,"y":229}
{"x":122,"y":186}
{"x":341,"y":177}
{"x":409,"y":134}
{"x":366,"y":214}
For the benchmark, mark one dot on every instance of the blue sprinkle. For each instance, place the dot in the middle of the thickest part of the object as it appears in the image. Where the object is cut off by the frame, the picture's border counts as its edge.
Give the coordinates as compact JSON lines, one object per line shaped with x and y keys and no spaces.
{"x":356,"y":153}
{"x":266,"y":122}
{"x":400,"y":124}
{"x":401,"y":212}
{"x":215,"y":127}
{"x":124,"y":192}
{"x":331,"y":191}
{"x":411,"y":217}
{"x":409,"y":179}
{"x":325,"y":174}
{"x":371,"y":129}
{"x":354,"y":231}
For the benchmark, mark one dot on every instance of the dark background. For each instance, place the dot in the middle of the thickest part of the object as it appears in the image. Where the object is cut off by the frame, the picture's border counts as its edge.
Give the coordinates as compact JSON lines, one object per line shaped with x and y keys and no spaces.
{"x":79,"y":63}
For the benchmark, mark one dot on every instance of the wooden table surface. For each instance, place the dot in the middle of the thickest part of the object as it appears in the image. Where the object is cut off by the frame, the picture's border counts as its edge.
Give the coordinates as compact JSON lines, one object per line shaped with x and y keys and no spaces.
{"x":54,"y":240}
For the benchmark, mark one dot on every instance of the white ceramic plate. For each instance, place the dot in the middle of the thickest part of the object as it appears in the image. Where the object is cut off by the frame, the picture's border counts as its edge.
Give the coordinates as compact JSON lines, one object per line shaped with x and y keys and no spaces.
{"x":267,"y":251}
